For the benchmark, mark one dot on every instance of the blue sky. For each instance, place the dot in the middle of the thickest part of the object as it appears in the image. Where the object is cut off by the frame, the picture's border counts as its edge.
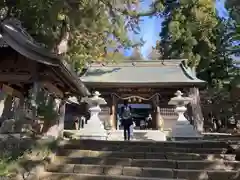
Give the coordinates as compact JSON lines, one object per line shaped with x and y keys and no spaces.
{"x":151,"y":27}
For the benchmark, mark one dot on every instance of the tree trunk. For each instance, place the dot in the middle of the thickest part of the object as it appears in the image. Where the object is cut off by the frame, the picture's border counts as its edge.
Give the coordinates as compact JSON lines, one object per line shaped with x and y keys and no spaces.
{"x":196,"y":109}
{"x":62,"y":44}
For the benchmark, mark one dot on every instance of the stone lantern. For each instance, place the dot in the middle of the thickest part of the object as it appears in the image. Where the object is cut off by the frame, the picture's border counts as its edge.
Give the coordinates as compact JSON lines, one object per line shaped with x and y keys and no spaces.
{"x":182,"y":129}
{"x":94,"y":129}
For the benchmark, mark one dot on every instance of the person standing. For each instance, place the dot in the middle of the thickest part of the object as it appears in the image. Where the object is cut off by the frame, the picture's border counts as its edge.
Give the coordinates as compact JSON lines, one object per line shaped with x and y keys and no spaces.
{"x":126,"y":116}
{"x":149,"y":121}
{"x":83,"y":120}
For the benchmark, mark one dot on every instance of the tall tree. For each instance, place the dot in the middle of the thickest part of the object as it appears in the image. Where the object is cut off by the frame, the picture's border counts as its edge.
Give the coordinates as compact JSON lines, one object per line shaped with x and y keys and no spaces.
{"x":192,"y":30}
{"x":218,"y":69}
{"x":188,"y":30}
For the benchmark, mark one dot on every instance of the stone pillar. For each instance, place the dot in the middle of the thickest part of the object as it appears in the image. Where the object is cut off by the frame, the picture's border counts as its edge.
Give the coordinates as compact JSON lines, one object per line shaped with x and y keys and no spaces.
{"x":113,"y":119}
{"x":62,"y":109}
{"x":7,"y":109}
{"x":8,"y":94}
{"x":198,"y":120}
{"x":56,"y":130}
{"x":19,"y":106}
{"x":3,"y":97}
{"x":19,"y":113}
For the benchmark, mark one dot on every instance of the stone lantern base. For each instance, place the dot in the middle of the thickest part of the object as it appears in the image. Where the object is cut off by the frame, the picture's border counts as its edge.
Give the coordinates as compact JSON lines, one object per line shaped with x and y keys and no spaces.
{"x":94,"y":129}
{"x":183,"y":130}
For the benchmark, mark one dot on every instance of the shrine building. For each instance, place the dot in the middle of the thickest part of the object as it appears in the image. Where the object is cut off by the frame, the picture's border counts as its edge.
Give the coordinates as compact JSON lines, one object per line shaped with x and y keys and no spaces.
{"x":149,"y":84}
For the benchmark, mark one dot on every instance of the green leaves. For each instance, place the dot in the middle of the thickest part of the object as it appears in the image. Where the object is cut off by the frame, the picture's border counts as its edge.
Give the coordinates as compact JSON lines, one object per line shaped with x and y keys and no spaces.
{"x":93,"y":25}
{"x":188,"y":29}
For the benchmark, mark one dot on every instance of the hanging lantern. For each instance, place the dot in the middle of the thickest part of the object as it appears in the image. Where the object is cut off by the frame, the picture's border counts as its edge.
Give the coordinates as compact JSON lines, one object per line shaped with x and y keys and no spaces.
{"x":129,"y":100}
{"x":139,"y":100}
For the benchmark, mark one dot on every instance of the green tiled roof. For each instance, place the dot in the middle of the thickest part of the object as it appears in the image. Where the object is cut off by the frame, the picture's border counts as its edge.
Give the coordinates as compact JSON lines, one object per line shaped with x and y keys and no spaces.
{"x":140,"y":72}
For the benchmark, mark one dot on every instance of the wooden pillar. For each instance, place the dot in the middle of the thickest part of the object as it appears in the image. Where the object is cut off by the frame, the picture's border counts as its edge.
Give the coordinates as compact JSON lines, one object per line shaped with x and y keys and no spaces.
{"x":112,"y":119}
{"x":198,"y":119}
{"x":159,"y":119}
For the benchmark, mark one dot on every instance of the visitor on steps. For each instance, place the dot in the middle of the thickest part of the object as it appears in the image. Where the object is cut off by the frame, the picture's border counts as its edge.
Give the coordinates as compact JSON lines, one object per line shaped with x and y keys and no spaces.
{"x":83,"y":119}
{"x":126,"y":116}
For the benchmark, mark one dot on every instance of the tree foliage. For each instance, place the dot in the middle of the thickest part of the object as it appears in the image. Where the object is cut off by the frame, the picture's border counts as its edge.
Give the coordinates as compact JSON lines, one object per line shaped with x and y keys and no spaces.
{"x":187,"y":31}
{"x":233,"y":7}
{"x":83,"y":30}
{"x":193,"y":31}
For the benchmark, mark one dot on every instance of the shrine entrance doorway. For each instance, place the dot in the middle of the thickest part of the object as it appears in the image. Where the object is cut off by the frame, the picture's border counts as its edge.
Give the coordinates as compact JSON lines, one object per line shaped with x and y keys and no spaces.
{"x":140,"y":113}
{"x":142,"y":106}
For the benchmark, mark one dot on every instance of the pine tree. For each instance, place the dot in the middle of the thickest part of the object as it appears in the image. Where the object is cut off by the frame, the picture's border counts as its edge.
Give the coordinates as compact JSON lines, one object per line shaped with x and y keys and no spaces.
{"x":187,"y":31}
{"x":192,"y":30}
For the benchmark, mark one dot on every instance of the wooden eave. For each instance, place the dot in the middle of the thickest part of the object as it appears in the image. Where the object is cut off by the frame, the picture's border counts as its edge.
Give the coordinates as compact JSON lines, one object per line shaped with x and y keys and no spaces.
{"x":14,"y":36}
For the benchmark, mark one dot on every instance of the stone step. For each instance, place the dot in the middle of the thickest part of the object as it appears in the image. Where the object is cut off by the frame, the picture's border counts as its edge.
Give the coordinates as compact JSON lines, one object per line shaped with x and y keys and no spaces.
{"x":149,"y":173}
{"x":152,"y":163}
{"x":149,"y":149}
{"x":74,"y":176}
{"x":144,"y":155}
{"x":138,"y":135}
{"x":76,"y":144}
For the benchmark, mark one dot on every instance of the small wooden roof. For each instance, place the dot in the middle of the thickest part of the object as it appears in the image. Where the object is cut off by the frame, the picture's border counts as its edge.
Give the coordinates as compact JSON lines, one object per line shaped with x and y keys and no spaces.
{"x":167,"y":73}
{"x":12,"y":34}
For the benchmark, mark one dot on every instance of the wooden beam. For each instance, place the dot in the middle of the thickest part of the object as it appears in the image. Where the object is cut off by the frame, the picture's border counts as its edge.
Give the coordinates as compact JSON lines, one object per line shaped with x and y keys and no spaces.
{"x":52,"y":89}
{"x":11,"y":91}
{"x":11,"y":77}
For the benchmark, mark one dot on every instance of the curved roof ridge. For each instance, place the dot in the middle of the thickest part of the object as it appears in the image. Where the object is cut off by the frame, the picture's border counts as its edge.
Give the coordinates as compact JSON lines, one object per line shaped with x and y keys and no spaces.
{"x":189,"y":72}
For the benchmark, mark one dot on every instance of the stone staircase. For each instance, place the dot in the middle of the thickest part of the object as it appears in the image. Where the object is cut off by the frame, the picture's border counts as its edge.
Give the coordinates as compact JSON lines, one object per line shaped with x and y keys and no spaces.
{"x":123,"y":160}
{"x":139,"y":135}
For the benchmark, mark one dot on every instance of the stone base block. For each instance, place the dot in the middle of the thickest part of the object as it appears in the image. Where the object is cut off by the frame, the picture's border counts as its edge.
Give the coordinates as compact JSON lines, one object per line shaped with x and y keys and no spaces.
{"x":184,"y":130}
{"x":86,"y":134}
{"x":94,"y":137}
